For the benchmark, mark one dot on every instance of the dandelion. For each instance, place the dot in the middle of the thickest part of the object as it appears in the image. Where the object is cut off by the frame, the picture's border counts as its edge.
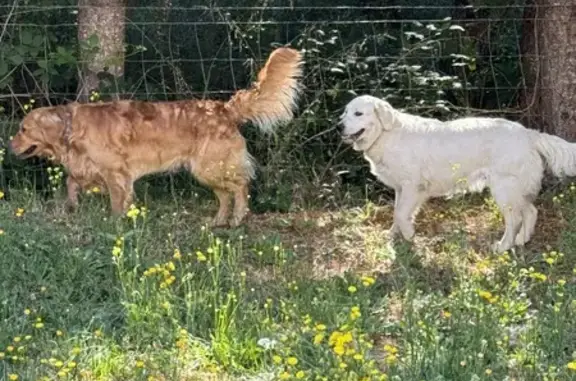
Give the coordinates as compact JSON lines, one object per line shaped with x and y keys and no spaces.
{"x":2,"y":355}
{"x":19,"y":212}
{"x":72,"y":364}
{"x":300,"y":374}
{"x":488,"y":372}
{"x":284,"y":375}
{"x":446,"y":314}
{"x":12,"y":377}
{"x":98,"y":333}
{"x":571,"y":365}
{"x":355,"y":313}
{"x":17,"y":339}
{"x":27,"y":311}
{"x":352,"y":289}
{"x":133,"y":212}
{"x":292,"y":361}
{"x":59,"y":333}
{"x":201,"y":257}
{"x":177,"y":254}
{"x":487,"y":295}
{"x":76,"y":350}
{"x":538,"y":276}
{"x":318,"y":338}
{"x":1,"y":195}
{"x":39,"y":325}
{"x":277,"y":359}
{"x":116,"y":251}
{"x":139,"y":364}
{"x":367,"y":281}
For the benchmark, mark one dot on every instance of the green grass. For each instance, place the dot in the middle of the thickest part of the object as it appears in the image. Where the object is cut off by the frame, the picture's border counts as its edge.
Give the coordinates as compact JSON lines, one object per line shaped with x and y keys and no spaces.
{"x":307,"y":295}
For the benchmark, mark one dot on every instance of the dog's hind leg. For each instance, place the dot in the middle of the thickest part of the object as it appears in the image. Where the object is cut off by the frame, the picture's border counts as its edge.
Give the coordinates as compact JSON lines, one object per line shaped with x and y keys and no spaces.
{"x":240,"y":204}
{"x":409,"y":201}
{"x":529,"y":218}
{"x":224,"y":198}
{"x":507,"y":193}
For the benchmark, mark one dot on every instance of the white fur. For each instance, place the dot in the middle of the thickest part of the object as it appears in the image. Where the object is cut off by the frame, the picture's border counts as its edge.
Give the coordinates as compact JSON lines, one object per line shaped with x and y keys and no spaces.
{"x":421,"y":158}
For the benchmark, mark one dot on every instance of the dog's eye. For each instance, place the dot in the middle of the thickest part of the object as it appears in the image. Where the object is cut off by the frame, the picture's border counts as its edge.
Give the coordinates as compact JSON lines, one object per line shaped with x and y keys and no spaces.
{"x":358,"y":113}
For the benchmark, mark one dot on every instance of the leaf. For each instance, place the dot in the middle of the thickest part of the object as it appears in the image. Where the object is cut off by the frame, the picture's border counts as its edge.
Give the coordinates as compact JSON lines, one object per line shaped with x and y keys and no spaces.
{"x":38,"y":40}
{"x":16,"y":59}
{"x":3,"y":67}
{"x":26,"y":37}
{"x":93,"y":41}
{"x":43,"y":64}
{"x":456,"y":27}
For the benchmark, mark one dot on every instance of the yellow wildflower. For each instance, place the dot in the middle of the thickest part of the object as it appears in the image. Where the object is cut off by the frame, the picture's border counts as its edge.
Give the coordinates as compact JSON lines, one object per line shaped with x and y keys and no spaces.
{"x":355,"y":313}
{"x":367,"y":281}
{"x":318,"y":338}
{"x":292,"y":361}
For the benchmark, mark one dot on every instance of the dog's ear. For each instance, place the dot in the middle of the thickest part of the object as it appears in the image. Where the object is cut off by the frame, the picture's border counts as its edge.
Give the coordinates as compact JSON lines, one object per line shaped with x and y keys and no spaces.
{"x":386,"y":115}
{"x":60,"y":116}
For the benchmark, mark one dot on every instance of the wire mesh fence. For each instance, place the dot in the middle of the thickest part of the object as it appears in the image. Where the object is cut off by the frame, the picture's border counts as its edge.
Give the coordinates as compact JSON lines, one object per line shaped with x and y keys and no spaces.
{"x":436,"y":58}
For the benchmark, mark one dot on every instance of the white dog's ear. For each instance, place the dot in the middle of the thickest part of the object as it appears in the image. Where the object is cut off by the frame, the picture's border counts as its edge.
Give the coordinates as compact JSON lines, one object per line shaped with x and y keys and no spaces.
{"x":386,"y":115}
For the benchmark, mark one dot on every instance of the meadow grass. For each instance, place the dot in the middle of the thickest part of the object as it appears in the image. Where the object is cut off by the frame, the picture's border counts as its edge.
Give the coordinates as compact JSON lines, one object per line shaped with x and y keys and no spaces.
{"x":311,"y":295}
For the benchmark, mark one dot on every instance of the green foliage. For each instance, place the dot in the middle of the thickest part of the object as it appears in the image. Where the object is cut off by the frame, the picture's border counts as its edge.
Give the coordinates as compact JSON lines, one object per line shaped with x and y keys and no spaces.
{"x":437,"y":68}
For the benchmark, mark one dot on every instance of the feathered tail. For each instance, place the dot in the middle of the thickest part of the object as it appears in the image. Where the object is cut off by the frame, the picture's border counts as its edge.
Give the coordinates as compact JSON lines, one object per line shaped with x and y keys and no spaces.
{"x":272,"y":99}
{"x":559,"y":154}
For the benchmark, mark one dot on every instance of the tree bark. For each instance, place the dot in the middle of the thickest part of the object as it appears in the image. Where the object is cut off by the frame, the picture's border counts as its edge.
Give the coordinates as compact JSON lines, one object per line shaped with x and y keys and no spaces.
{"x":549,"y":58}
{"x":104,"y":19}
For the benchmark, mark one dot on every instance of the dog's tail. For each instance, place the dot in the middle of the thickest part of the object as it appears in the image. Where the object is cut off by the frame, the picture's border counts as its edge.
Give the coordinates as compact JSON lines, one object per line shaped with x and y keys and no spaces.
{"x":272,"y":99}
{"x":559,"y":154}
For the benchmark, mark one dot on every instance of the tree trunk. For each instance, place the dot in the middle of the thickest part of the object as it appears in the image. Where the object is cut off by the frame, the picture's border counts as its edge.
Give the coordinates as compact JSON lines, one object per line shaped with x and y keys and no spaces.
{"x":549,"y":57}
{"x":101,"y":31}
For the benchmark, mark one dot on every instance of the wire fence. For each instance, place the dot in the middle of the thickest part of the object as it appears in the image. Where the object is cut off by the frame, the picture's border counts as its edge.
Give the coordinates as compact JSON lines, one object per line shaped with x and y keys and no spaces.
{"x":442,"y":59}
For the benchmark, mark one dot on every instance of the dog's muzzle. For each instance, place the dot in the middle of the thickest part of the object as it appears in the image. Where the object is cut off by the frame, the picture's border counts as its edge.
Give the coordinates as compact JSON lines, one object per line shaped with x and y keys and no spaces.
{"x":26,"y":154}
{"x":353,"y":137}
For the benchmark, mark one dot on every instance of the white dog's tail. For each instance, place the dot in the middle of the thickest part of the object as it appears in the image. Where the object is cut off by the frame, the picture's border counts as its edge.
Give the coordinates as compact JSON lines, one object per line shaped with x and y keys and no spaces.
{"x":559,"y":154}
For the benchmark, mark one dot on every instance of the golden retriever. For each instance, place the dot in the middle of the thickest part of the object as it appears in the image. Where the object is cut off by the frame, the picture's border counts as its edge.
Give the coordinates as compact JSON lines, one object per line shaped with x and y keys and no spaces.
{"x":113,"y":144}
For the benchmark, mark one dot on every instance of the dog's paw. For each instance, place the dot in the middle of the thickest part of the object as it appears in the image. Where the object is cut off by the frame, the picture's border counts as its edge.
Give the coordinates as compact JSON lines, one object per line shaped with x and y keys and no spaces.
{"x":218,"y":223}
{"x":499,"y":247}
{"x":394,"y":231}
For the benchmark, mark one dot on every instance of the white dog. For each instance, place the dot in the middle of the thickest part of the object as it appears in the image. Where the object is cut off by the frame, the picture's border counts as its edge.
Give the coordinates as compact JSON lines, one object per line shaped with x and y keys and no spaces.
{"x":422,"y":158}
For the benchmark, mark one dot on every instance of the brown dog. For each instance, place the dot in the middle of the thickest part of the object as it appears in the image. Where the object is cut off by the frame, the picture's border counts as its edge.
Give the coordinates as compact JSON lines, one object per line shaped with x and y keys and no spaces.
{"x":113,"y":144}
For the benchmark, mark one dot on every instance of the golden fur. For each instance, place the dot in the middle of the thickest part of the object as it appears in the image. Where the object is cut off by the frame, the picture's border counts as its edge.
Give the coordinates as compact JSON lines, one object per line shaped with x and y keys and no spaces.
{"x":111,"y":145}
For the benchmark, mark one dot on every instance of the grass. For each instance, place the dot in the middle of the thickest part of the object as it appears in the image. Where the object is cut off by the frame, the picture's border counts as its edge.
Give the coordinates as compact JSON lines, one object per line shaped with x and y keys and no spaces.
{"x":312,"y":295}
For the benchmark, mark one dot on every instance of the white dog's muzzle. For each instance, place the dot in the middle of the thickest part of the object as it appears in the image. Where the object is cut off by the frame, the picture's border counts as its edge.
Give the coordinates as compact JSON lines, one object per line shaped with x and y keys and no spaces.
{"x":353,"y":137}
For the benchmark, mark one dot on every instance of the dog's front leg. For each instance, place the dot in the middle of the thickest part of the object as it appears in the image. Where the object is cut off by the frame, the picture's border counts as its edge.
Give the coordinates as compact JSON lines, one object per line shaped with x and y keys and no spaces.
{"x":395,"y":229}
{"x":406,"y":206}
{"x":121,"y":190}
{"x":72,"y":191}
